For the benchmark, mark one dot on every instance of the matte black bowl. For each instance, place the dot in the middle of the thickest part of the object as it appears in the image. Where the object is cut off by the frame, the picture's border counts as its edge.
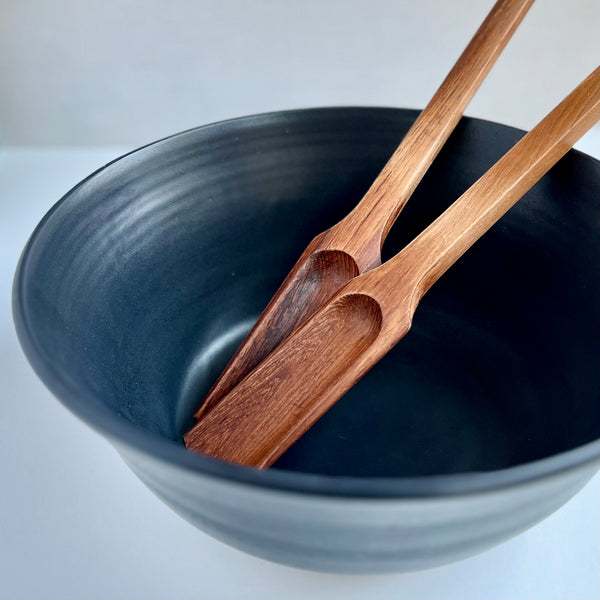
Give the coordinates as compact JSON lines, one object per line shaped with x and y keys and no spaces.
{"x":137,"y":286}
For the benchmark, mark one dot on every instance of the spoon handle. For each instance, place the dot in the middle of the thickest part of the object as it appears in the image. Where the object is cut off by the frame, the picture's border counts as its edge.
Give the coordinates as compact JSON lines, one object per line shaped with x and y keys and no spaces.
{"x":367,"y":226}
{"x":430,"y":254}
{"x":353,"y":246}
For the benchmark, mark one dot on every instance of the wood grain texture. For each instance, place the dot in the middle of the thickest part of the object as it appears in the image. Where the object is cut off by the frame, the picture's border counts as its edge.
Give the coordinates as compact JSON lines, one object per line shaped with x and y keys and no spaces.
{"x":298,"y":382}
{"x":353,"y":246}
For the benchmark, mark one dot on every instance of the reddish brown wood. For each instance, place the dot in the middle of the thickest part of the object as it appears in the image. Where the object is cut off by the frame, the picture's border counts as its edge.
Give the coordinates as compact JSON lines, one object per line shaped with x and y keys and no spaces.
{"x":278,"y":401}
{"x":353,"y":246}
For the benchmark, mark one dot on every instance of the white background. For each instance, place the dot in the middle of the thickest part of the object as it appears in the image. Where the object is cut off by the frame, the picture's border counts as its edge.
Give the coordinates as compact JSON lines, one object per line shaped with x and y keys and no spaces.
{"x":90,"y":72}
{"x":83,"y":82}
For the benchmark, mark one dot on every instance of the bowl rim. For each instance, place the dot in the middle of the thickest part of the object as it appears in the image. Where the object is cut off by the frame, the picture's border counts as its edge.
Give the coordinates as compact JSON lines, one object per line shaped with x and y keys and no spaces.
{"x":126,"y":436}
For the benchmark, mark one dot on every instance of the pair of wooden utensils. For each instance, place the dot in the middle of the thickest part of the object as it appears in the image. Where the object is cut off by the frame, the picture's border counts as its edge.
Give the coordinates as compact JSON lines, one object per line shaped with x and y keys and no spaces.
{"x":340,"y":310}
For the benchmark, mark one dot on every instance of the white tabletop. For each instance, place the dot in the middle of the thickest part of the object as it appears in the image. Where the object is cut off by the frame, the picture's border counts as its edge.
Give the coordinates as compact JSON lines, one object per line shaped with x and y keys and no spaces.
{"x":76,"y":523}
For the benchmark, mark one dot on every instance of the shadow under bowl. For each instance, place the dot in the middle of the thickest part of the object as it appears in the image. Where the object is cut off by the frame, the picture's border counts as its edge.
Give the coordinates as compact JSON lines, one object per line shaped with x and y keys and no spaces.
{"x":138,"y":285}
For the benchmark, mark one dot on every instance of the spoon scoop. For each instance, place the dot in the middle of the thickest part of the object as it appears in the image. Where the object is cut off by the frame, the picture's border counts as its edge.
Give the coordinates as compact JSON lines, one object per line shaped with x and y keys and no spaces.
{"x":300,"y":380}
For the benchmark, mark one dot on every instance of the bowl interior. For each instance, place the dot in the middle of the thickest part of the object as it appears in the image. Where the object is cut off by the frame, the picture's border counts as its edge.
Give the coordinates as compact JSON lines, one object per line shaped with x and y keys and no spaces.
{"x":138,"y":286}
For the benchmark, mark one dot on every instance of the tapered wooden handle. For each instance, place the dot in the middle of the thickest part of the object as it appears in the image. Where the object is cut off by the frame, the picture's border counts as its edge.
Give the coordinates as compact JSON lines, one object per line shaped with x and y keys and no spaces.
{"x":371,"y":220}
{"x":430,"y":254}
{"x":353,"y":246}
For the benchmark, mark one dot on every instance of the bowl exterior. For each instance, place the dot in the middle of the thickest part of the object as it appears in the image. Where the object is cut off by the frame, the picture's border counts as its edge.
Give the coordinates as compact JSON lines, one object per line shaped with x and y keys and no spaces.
{"x":354,"y":535}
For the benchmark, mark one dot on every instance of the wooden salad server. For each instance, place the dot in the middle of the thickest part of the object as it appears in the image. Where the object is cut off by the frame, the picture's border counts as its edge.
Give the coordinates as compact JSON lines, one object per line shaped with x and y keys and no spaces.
{"x":301,"y":379}
{"x":353,"y":246}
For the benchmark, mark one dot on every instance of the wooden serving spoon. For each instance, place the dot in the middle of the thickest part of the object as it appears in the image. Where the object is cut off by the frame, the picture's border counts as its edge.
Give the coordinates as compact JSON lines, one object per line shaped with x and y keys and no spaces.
{"x":299,"y":381}
{"x":353,"y":246}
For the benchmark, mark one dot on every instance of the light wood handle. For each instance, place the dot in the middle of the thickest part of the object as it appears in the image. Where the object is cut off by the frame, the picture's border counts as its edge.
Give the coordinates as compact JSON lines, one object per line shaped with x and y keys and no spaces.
{"x":395,"y":184}
{"x":353,"y":245}
{"x":448,"y":237}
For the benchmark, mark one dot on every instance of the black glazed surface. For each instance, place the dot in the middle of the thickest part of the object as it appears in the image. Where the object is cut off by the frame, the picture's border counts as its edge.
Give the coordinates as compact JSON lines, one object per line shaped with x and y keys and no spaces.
{"x":140,"y":284}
